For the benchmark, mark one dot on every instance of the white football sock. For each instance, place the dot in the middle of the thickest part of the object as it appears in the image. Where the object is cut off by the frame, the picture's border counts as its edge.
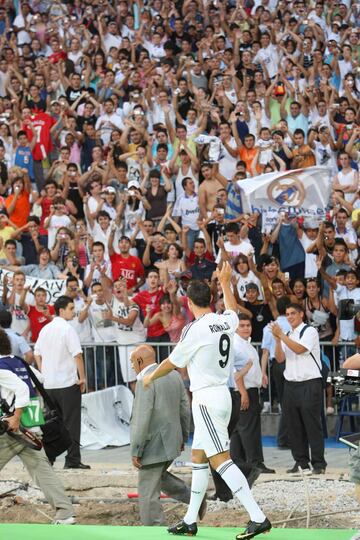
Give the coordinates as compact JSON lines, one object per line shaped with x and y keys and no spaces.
{"x":199,"y":484}
{"x":237,"y":482}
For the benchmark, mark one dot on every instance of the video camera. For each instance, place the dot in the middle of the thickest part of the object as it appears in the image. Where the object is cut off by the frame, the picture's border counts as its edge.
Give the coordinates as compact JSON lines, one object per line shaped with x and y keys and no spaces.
{"x":348,"y":309}
{"x":24,"y":436}
{"x":345,"y":381}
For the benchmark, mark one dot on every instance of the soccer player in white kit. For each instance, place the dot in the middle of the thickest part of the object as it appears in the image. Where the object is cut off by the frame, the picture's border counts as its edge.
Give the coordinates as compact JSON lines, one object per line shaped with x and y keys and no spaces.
{"x":206,"y":349}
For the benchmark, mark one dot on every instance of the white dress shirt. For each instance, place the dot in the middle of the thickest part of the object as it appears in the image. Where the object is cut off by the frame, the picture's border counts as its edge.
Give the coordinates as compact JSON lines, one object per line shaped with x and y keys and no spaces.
{"x":302,"y":367}
{"x":58,"y":344}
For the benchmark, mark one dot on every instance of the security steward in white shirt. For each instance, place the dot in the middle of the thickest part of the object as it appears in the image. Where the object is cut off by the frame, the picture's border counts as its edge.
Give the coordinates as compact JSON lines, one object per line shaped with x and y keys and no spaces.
{"x":302,"y":400}
{"x":245,"y":440}
{"x":58,"y":354}
{"x":16,"y":393}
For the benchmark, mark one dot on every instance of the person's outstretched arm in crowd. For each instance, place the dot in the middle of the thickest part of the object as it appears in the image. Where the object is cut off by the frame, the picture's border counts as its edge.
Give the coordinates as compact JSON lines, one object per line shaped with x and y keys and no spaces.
{"x":233,"y":120}
{"x":184,"y":241}
{"x":203,"y":227}
{"x":167,"y":217}
{"x":349,"y":148}
{"x":146,"y":255}
{"x":275,"y":233}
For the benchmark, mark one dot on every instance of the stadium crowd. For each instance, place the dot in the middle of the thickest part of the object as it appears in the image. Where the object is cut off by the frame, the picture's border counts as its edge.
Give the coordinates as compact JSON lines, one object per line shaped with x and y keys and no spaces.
{"x":125,"y":130}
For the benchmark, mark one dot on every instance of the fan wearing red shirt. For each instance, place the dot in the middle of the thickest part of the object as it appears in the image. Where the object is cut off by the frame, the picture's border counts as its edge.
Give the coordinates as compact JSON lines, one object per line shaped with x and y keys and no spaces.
{"x":125,"y":266}
{"x":39,"y":125}
{"x":41,"y":314}
{"x":151,"y":297}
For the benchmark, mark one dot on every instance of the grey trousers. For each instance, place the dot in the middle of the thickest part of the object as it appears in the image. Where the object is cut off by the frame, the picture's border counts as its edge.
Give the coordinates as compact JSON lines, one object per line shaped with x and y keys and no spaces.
{"x":152,"y":480}
{"x":41,"y":472}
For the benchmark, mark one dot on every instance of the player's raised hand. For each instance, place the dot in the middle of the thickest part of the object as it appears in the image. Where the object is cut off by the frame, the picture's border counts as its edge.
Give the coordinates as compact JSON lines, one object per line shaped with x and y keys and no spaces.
{"x":224,"y":275}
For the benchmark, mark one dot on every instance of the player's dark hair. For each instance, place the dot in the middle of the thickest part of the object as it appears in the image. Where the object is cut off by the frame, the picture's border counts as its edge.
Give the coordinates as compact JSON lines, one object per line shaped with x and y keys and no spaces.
{"x":199,"y":293}
{"x":244,"y":317}
{"x":62,"y":303}
{"x":5,"y":344}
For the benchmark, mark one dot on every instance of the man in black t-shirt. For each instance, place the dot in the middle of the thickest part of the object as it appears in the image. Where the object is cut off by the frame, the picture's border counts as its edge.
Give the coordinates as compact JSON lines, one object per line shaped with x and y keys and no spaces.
{"x":259,"y":311}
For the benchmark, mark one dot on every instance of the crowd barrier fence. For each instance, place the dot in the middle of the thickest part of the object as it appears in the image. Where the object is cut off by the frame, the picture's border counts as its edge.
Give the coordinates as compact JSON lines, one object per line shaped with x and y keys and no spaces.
{"x":108,"y":364}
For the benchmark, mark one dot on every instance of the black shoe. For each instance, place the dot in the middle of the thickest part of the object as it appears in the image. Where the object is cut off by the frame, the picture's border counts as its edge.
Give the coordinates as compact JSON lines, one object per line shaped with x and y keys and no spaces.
{"x":253,"y":476}
{"x":296,"y":469}
{"x":76,"y":466}
{"x":216,"y":497}
{"x":202,"y":509}
{"x":253,"y":529}
{"x":318,"y":470}
{"x":183,"y":528}
{"x":264,"y":469}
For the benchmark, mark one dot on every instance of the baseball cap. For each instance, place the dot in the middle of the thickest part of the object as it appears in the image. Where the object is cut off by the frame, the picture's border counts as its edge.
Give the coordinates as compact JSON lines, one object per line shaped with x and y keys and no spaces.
{"x":110,"y":189}
{"x":133,"y":184}
{"x":185,"y":275}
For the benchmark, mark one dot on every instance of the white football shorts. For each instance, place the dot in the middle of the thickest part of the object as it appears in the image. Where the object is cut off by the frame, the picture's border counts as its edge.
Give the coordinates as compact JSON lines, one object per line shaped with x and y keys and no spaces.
{"x":211,"y":408}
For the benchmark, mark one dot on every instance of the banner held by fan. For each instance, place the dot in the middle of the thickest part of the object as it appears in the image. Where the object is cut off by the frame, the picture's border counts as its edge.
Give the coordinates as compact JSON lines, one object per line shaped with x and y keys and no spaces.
{"x":53,"y":287}
{"x":301,"y":192}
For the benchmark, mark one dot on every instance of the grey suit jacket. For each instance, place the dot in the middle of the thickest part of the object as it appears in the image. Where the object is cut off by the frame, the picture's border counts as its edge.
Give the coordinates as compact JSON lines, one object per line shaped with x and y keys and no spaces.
{"x":160,"y":419}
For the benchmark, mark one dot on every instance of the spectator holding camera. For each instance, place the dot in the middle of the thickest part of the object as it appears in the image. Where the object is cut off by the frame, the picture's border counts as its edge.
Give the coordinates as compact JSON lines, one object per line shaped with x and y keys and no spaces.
{"x":18,"y":202}
{"x":58,"y":218}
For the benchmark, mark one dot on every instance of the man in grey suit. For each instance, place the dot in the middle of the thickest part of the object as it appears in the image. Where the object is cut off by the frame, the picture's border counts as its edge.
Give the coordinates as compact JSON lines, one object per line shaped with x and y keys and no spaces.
{"x":159,"y":429}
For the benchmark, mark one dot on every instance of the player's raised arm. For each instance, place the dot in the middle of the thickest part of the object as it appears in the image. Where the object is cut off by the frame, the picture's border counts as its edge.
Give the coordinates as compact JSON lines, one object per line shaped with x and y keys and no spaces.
{"x":224,"y":277}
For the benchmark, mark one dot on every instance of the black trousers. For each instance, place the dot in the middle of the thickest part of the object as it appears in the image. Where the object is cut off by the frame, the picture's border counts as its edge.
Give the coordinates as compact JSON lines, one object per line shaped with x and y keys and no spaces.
{"x":68,"y":402}
{"x":279,"y":381}
{"x":302,"y":408}
{"x":245,"y":440}
{"x":222,"y":490}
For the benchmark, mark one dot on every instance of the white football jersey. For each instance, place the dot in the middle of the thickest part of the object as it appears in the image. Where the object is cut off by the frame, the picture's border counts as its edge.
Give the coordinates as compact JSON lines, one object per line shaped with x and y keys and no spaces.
{"x":206,"y":349}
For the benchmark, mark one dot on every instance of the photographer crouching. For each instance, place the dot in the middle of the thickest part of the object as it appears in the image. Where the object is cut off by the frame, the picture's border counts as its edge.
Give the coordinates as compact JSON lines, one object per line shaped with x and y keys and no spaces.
{"x":15,"y":391}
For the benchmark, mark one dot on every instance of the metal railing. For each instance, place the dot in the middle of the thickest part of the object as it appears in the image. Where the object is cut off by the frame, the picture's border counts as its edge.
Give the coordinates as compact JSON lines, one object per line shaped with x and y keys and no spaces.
{"x":108,"y":364}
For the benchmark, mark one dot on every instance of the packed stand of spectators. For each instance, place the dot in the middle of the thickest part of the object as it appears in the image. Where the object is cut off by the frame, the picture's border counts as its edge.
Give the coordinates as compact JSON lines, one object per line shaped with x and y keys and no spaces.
{"x":125,"y":131}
